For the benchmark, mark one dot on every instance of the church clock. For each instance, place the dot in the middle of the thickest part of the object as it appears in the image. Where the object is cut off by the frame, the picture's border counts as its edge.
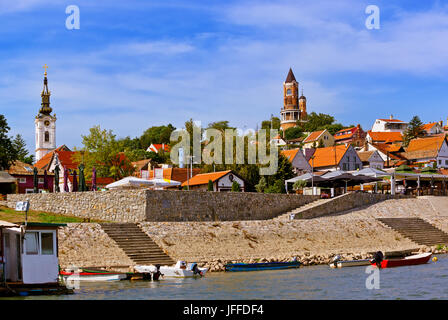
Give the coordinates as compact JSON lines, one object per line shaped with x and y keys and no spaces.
{"x":47,"y":123}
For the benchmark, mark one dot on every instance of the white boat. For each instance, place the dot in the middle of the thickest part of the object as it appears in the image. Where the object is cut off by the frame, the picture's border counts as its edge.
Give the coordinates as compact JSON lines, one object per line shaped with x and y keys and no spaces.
{"x":90,"y":275}
{"x":180,"y":270}
{"x":350,"y":263}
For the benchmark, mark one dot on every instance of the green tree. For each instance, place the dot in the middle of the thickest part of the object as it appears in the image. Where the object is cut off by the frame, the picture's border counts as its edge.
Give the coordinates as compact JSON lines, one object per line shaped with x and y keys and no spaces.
{"x":277,"y":187}
{"x":236,"y":186}
{"x":293,"y":133}
{"x":262,"y":185}
{"x":299,"y":184}
{"x":210,"y":185}
{"x":322,"y":121}
{"x":8,"y":152}
{"x":414,"y":130}
{"x":156,"y":134}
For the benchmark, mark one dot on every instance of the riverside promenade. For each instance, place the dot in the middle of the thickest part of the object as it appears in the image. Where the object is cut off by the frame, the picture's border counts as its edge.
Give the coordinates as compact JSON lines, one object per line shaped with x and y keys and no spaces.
{"x":353,"y":234}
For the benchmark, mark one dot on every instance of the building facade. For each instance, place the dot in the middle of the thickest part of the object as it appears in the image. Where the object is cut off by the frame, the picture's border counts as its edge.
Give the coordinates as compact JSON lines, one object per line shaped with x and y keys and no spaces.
{"x":318,"y":138}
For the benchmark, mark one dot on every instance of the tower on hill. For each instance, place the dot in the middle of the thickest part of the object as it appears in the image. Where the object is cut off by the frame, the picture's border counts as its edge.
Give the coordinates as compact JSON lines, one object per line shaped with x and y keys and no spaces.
{"x":45,"y":124}
{"x":294,"y":107}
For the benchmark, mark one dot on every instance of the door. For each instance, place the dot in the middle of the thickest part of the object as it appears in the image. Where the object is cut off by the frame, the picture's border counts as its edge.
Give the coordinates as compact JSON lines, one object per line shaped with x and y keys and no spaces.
{"x":19,"y":257}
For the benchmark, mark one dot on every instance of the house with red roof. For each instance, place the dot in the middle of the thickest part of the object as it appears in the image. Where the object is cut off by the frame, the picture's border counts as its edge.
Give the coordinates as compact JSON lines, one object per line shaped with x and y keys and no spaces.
{"x":428,"y":150}
{"x":314,"y":139}
{"x":433,"y":128}
{"x":297,"y":159}
{"x":338,"y":157}
{"x":24,"y":173}
{"x":389,"y":125}
{"x":391,"y":153}
{"x":157,"y":147}
{"x":222,"y":181}
{"x":354,"y":136}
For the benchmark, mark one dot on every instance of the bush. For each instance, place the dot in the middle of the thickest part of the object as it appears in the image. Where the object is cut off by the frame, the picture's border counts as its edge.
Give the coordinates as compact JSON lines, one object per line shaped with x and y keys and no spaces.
{"x":299,"y":184}
{"x":210,"y":185}
{"x":277,"y":187}
{"x":236,"y":187}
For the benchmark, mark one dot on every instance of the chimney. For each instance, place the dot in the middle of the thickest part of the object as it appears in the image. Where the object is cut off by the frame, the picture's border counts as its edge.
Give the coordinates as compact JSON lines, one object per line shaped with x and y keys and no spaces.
{"x":391,"y":116}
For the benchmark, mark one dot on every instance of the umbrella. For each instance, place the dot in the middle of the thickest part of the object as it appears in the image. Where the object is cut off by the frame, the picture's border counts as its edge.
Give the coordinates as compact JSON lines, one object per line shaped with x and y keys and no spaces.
{"x":36,"y":190}
{"x":307,"y":177}
{"x":45,"y":180}
{"x":371,"y":172}
{"x":93,"y":179}
{"x":82,"y":179}
{"x":75,"y":182}
{"x":66,"y":180}
{"x":130,"y":182}
{"x":56,"y":179}
{"x":160,"y":182}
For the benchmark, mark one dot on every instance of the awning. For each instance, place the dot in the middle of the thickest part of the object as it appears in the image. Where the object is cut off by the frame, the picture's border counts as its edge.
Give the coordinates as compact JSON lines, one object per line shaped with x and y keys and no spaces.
{"x":6,"y":224}
{"x":130,"y":182}
{"x":5,"y":177}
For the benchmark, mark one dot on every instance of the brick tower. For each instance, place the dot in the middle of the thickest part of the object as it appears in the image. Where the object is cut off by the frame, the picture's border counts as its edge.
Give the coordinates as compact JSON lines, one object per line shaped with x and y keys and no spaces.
{"x":294,"y":108}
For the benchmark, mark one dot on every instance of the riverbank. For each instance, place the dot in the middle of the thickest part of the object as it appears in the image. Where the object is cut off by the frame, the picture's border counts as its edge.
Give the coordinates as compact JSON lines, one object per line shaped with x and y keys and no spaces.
{"x":353,"y":235}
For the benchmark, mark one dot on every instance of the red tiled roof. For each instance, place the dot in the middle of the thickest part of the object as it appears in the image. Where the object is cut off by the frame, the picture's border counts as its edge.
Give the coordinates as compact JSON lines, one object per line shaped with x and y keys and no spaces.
{"x":428,"y":126}
{"x":176,"y":174}
{"x":64,"y":155}
{"x":163,"y":146}
{"x":21,"y":168}
{"x":290,"y":154}
{"x":391,"y":120}
{"x":203,"y":178}
{"x":424,"y":147}
{"x":313,"y":136}
{"x":329,"y":156}
{"x":386,"y":136}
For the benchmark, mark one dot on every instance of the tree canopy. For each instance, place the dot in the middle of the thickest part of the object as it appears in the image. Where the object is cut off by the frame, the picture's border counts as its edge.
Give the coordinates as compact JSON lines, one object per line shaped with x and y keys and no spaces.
{"x":414,"y":130}
{"x":8,"y":151}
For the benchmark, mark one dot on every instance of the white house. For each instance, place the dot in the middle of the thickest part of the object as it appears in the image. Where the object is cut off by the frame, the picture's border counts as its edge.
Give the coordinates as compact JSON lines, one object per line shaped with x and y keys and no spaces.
{"x":389,"y":125}
{"x":371,"y":159}
{"x":339,"y":157}
{"x":222,"y":181}
{"x":428,"y":150}
{"x":297,"y":160}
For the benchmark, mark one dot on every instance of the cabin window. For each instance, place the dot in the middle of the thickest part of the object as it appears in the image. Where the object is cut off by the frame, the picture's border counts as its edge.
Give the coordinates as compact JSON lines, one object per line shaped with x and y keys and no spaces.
{"x":40,"y":181}
{"x":47,"y":243}
{"x":47,"y":136}
{"x":22,"y":180}
{"x":288,"y":92}
{"x":32,"y":242}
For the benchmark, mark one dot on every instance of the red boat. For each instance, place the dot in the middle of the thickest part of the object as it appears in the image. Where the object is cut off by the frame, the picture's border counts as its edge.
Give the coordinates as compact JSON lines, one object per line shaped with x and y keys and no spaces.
{"x":407,"y":261}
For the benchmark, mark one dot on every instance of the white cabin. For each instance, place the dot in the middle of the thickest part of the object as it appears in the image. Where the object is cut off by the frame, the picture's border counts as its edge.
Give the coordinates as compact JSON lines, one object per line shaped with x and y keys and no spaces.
{"x":30,"y":254}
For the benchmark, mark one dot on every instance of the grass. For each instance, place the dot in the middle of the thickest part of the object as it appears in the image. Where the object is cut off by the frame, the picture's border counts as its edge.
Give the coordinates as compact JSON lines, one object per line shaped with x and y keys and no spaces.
{"x":10,"y":215}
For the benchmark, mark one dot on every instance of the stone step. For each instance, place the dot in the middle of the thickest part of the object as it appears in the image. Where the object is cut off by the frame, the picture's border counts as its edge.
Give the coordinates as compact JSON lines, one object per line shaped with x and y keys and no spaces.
{"x":417,"y":230}
{"x":136,"y":244}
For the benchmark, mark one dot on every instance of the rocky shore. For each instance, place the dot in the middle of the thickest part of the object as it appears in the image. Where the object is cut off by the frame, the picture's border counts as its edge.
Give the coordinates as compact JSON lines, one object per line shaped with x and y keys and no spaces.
{"x":354,"y":234}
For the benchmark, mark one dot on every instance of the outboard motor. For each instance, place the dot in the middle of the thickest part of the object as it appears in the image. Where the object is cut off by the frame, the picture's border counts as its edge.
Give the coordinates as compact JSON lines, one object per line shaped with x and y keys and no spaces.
{"x":377,"y":258}
{"x":336,"y":259}
{"x":195,"y":269}
{"x":157,"y":274}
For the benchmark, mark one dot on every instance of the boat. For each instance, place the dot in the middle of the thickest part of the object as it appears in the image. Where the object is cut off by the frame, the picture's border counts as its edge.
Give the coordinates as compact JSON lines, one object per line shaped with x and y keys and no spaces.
{"x":407,"y":261}
{"x":180,"y":270}
{"x":233,"y":267}
{"x":91,"y":275}
{"x":350,"y":263}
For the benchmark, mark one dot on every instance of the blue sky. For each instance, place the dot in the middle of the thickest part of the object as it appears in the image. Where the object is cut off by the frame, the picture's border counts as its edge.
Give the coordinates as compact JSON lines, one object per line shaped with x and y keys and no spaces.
{"x":135,"y":64}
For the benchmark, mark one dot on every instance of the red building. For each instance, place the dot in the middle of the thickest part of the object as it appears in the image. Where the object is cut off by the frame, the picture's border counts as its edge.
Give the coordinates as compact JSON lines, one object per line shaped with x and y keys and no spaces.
{"x":23,"y":172}
{"x":354,"y":136}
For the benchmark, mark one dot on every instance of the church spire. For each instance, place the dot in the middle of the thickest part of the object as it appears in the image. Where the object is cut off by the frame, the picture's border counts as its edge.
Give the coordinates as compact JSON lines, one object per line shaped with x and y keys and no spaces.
{"x":290,"y":78}
{"x":45,"y":105}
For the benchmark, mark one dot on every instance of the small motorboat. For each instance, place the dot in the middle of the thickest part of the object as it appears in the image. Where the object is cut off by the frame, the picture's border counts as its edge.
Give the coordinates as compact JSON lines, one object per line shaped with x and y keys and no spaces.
{"x":406,"y":261}
{"x":350,"y":263}
{"x":261,"y":266}
{"x":180,"y":270}
{"x":91,"y":275}
{"x":148,"y":272}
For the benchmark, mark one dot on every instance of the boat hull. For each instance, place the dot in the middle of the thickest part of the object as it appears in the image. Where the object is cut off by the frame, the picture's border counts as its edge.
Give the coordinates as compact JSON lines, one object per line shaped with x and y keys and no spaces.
{"x":407,"y":261}
{"x":351,"y":263}
{"x":173,"y":272}
{"x":236,"y":267}
{"x":92,"y":276}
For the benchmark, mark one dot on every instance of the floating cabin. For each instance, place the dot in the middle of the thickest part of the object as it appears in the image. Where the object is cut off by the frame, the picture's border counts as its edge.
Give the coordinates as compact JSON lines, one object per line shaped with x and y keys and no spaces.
{"x":29,"y":259}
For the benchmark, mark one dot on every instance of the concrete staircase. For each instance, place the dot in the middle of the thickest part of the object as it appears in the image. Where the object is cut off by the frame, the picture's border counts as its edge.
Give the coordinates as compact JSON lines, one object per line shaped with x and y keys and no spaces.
{"x":417,"y":230}
{"x":137,"y":245}
{"x":285,"y":216}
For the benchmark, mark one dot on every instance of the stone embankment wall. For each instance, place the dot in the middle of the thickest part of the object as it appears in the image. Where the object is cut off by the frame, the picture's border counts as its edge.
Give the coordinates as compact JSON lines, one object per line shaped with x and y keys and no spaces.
{"x":164,"y":205}
{"x":344,"y":202}
{"x":120,"y":206}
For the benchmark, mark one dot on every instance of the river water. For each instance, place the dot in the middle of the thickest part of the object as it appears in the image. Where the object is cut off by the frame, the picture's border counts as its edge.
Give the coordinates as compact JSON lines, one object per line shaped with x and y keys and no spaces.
{"x":429,"y":281}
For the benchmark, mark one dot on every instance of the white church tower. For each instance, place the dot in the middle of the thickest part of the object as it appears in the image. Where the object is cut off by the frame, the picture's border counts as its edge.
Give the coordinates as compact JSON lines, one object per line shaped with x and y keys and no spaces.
{"x":45,"y":124}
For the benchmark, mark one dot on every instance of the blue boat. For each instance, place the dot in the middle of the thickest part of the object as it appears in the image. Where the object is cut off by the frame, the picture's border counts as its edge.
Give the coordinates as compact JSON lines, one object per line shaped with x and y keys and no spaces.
{"x":233,"y":267}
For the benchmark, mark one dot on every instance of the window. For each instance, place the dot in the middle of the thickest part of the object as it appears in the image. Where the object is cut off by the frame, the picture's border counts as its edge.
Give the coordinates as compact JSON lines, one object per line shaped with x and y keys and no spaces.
{"x":40,"y":181}
{"x":29,"y":191}
{"x":446,"y":162}
{"x":47,"y":243}
{"x":32,"y":242}
{"x":440,"y":161}
{"x":47,"y":136}
{"x":344,"y":166}
{"x":22,"y":180}
{"x":288,"y":92}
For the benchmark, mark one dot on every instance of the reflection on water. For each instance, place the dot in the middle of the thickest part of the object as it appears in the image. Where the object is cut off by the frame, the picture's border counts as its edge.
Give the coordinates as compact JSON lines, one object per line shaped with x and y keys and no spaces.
{"x":317,"y":282}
